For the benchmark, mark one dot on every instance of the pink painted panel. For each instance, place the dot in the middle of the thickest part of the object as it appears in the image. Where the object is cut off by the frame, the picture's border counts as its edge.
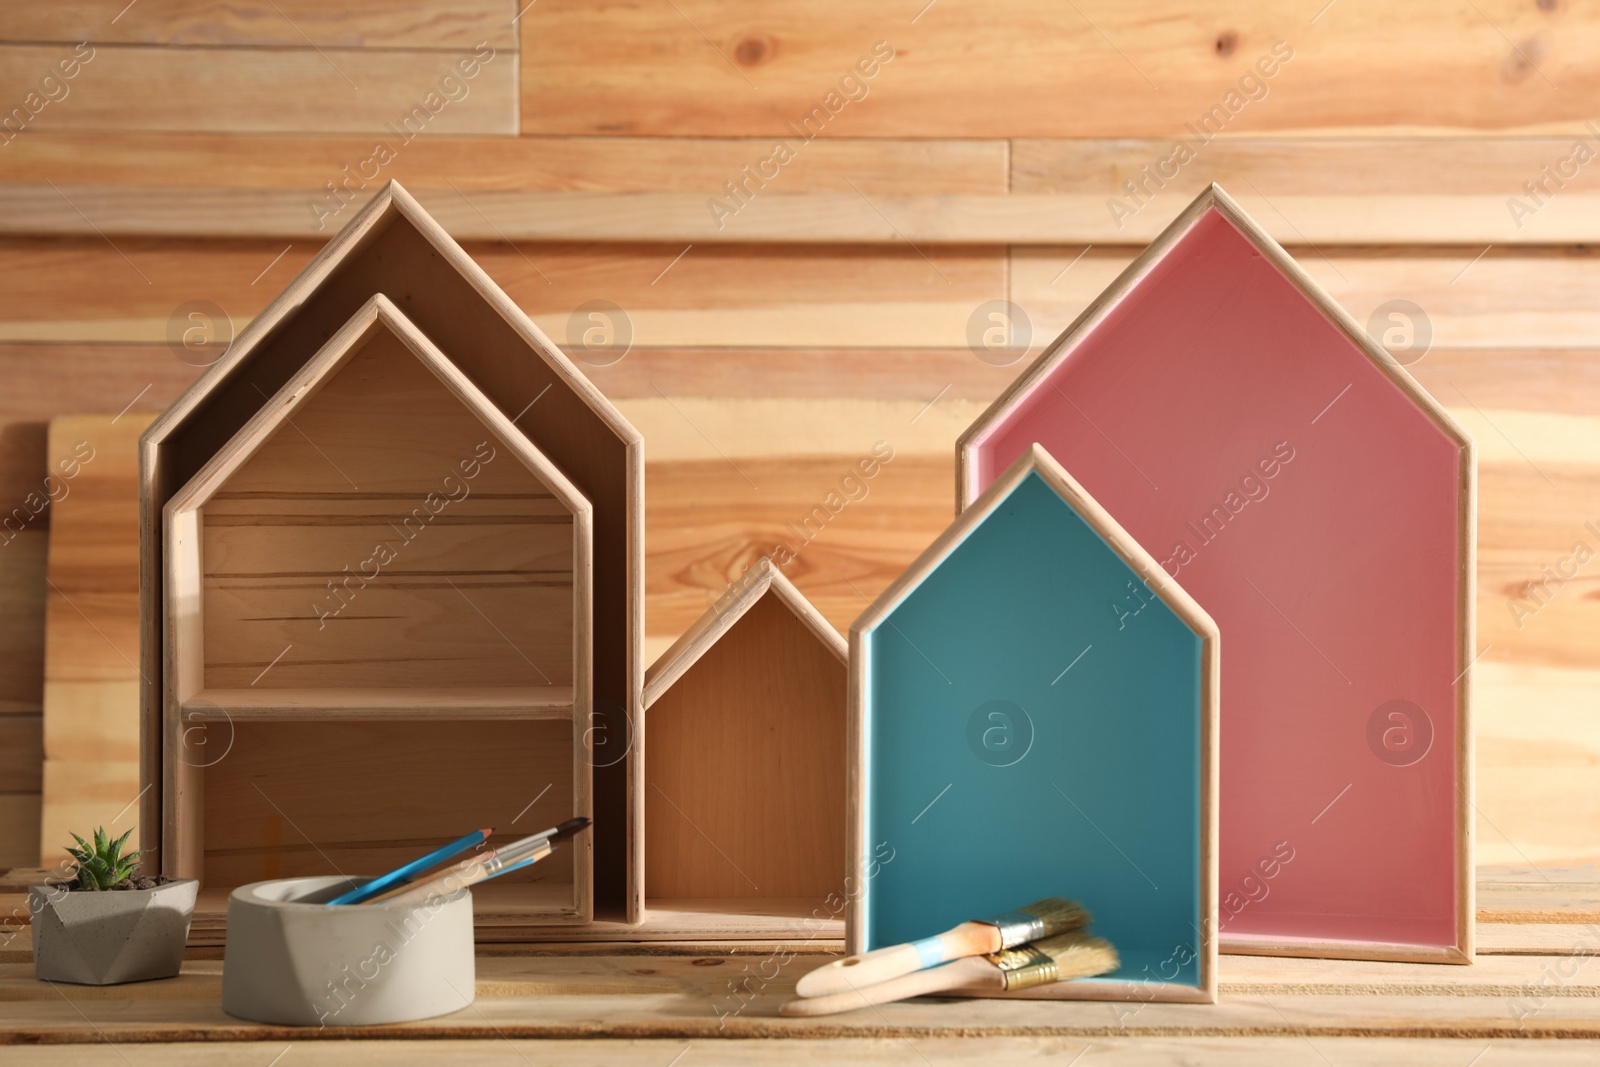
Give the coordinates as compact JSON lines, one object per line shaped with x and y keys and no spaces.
{"x":1313,"y":510}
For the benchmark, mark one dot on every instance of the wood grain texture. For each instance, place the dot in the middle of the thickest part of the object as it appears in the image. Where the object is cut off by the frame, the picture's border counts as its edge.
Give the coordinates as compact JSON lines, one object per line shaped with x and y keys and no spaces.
{"x":745,"y":760}
{"x":371,"y":24}
{"x":1504,"y":999}
{"x":19,"y":826}
{"x":279,"y":802}
{"x":773,"y":296}
{"x":91,"y":683}
{"x":713,"y":67}
{"x":22,"y":592}
{"x":21,"y":745}
{"x":221,"y":90}
{"x":871,"y":1052}
{"x":437,"y":162}
{"x":1523,"y":970}
{"x":852,"y":217}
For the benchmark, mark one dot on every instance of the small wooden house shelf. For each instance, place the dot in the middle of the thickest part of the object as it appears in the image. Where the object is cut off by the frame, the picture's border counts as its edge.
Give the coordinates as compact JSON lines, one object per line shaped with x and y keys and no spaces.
{"x":393,"y":247}
{"x":1320,"y":505}
{"x":1033,"y":713}
{"x":378,"y":596}
{"x":745,"y":767}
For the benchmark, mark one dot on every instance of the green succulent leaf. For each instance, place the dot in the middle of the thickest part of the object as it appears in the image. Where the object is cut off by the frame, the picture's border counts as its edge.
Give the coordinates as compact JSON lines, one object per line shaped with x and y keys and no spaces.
{"x":102,"y":865}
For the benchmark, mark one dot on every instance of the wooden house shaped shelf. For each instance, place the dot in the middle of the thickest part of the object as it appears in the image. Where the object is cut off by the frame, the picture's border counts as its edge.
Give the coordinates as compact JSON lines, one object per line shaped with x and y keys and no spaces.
{"x":1321,"y":507}
{"x":745,"y":767}
{"x":394,"y":248}
{"x":438,"y":679}
{"x":1033,"y":713}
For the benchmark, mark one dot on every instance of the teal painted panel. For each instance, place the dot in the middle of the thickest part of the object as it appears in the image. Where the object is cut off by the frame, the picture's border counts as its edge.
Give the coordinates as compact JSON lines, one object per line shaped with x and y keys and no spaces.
{"x":1033,"y":728}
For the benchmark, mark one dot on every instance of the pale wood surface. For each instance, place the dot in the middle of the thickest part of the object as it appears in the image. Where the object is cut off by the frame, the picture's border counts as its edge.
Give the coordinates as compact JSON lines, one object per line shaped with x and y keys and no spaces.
{"x":805,"y":219}
{"x":271,"y":23}
{"x":772,"y":296}
{"x":629,"y":1004}
{"x":882,"y":1052}
{"x":91,"y":682}
{"x":372,"y":88}
{"x":549,"y":164}
{"x":1130,"y":71}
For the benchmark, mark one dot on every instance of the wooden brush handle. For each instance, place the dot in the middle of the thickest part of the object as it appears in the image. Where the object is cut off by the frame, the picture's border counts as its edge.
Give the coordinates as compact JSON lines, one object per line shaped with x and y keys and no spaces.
{"x":892,"y":961}
{"x":973,"y":972}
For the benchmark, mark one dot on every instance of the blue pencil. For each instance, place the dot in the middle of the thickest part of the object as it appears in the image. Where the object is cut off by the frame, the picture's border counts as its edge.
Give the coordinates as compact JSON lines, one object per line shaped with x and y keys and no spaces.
{"x":401,"y":875}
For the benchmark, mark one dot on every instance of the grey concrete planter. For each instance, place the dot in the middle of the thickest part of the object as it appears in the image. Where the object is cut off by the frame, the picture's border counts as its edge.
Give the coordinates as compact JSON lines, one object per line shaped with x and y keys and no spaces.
{"x":293,"y":960}
{"x":110,"y":937}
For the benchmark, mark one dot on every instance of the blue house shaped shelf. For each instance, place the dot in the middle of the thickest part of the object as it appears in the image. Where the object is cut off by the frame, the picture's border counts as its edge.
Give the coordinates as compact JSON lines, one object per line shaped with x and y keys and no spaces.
{"x":1033,"y":712}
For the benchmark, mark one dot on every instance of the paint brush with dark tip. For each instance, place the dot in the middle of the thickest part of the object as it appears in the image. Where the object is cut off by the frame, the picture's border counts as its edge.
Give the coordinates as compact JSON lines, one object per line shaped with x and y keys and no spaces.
{"x":469,"y":872}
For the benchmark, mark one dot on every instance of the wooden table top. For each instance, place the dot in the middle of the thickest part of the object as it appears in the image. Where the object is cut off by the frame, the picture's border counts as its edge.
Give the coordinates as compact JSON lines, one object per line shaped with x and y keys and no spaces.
{"x":1536,"y":979}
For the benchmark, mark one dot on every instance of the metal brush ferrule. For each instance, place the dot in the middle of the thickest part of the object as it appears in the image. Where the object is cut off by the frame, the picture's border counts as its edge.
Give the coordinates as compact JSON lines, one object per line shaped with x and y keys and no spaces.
{"x":1025,"y":967}
{"x":1018,"y":927}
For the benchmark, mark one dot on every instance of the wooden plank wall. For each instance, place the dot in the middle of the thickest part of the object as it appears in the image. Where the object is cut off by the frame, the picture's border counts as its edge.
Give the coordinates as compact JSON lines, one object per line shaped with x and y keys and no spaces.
{"x":803,"y":211}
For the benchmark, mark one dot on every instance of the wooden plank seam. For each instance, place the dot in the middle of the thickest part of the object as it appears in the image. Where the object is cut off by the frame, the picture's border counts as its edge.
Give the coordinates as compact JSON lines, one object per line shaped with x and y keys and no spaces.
{"x":453,"y":87}
{"x":52,"y":88}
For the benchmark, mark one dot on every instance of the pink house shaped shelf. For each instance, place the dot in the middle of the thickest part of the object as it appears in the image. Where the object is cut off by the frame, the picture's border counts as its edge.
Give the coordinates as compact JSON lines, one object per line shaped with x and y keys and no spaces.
{"x":1320,"y":507}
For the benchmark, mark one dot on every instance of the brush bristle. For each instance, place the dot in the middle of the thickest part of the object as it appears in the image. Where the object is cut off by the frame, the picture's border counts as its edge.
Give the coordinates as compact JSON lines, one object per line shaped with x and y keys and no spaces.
{"x":1058,"y":915}
{"x":1079,"y":954}
{"x":568,"y":828}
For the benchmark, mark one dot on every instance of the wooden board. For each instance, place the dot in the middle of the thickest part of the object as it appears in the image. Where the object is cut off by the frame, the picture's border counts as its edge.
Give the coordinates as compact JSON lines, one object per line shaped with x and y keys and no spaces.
{"x":361,"y":798}
{"x":745,"y":766}
{"x":19,"y":824}
{"x":874,"y":1052}
{"x":720,"y":1000}
{"x":22,"y":567}
{"x":91,"y":686}
{"x":545,"y":164}
{"x":1181,"y":397}
{"x":804,"y":219}
{"x":781,"y":298}
{"x":772,"y":296}
{"x":394,"y":94}
{"x":272,"y":23}
{"x":709,"y":67}
{"x":1101,"y":790}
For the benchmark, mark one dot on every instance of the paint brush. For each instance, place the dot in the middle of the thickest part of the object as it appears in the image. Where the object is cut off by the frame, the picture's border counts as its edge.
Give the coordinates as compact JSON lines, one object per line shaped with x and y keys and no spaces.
{"x":1042,"y":918}
{"x":483,"y":867}
{"x":401,"y":875}
{"x":1076,"y":954}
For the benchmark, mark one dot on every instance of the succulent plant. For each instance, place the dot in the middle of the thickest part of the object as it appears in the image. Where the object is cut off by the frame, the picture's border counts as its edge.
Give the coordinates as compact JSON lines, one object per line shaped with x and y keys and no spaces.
{"x":102,"y":864}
